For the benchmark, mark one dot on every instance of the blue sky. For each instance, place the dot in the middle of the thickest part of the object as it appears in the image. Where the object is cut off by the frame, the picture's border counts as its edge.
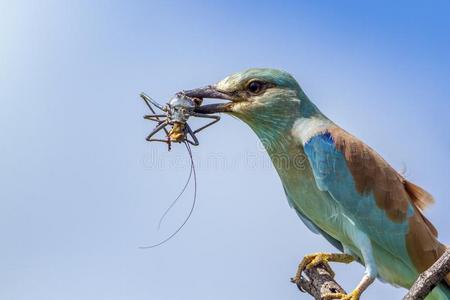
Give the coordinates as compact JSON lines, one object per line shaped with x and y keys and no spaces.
{"x":81,"y":189}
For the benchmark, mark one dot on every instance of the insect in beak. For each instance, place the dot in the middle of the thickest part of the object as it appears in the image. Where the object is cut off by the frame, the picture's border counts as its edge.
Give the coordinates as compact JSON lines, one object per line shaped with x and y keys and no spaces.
{"x":173,"y":120}
{"x":211,"y":92}
{"x":176,"y":114}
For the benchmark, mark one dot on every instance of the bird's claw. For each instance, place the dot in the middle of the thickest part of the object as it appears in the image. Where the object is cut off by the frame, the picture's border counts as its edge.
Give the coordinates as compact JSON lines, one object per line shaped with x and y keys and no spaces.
{"x":321,"y":258}
{"x":310,"y":261}
{"x":352,"y":296}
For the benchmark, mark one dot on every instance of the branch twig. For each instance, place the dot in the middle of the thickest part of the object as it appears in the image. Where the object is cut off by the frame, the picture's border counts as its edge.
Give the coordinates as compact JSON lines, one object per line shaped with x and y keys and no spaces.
{"x":428,"y":279}
{"x":318,"y":283}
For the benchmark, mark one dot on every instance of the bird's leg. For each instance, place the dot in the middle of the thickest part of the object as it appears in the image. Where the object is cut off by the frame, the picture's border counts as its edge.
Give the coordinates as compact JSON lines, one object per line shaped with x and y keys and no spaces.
{"x":315,"y":259}
{"x":364,"y":245}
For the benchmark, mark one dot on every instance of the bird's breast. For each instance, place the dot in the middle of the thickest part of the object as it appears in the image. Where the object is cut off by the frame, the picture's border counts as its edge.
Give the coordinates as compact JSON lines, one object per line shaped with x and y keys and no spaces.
{"x":298,"y":180}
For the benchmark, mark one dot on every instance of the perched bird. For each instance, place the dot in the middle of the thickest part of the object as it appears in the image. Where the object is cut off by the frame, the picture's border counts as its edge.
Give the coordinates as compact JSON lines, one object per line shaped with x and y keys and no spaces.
{"x":339,"y":187}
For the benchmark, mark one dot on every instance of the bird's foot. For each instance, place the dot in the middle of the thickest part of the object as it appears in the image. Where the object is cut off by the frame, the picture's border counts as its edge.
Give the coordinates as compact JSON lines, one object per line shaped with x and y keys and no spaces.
{"x":352,"y":296}
{"x":315,"y":259}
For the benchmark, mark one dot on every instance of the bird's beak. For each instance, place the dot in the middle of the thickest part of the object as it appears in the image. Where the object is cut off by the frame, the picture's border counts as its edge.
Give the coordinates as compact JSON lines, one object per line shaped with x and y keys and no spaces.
{"x":210,"y":92}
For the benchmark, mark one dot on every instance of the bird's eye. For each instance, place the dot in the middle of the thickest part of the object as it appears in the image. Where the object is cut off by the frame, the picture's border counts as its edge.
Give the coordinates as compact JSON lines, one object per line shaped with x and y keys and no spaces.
{"x":255,"y":87}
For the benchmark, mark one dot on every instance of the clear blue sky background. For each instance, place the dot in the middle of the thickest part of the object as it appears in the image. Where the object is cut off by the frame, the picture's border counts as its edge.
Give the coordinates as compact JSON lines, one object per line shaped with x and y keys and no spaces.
{"x":81,"y":189}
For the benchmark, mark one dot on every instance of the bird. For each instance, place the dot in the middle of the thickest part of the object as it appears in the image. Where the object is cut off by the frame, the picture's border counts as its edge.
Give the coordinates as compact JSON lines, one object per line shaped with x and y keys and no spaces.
{"x":339,"y":187}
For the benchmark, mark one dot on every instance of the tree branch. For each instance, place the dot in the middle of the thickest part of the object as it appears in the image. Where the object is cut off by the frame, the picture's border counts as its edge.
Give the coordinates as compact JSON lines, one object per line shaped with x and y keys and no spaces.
{"x":318,"y":282}
{"x":430,"y":278}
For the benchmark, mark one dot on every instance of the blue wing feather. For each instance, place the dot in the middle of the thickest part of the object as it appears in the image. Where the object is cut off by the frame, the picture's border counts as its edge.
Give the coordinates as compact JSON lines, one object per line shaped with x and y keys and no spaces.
{"x":332,"y":175}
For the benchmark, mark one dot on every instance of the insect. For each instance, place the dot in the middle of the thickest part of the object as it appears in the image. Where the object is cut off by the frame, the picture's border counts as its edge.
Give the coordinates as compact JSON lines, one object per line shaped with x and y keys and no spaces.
{"x":176,"y":114}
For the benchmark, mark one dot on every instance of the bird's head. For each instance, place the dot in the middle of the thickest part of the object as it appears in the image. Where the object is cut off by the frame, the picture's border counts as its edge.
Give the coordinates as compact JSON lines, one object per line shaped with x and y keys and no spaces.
{"x":255,"y":96}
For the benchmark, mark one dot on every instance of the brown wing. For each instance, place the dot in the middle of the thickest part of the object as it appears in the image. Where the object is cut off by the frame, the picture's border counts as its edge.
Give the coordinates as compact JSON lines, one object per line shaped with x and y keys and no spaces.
{"x":393,"y":194}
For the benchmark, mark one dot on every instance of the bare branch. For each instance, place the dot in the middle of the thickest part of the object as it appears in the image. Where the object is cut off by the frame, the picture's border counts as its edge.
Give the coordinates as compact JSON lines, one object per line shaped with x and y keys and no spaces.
{"x":319,"y":282}
{"x":430,"y":278}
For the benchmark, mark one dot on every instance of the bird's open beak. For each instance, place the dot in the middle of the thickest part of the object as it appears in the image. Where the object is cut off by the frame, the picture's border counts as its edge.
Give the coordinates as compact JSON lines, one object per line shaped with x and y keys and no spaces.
{"x":210,"y":92}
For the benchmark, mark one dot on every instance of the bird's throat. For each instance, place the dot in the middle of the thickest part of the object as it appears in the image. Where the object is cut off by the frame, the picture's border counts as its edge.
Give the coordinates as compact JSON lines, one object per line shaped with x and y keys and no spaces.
{"x":275,"y":135}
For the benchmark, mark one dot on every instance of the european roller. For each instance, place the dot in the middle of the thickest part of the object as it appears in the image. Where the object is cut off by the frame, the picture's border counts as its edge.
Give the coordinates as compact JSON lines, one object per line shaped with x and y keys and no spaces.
{"x":339,"y":187}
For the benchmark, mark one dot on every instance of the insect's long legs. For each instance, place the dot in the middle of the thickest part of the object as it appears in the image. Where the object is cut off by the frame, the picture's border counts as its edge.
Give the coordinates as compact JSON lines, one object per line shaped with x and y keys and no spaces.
{"x":154,"y":118}
{"x":192,"y":134}
{"x":149,"y":100}
{"x":158,"y":140}
{"x":216,"y":119}
{"x":162,"y":125}
{"x":164,"y":119}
